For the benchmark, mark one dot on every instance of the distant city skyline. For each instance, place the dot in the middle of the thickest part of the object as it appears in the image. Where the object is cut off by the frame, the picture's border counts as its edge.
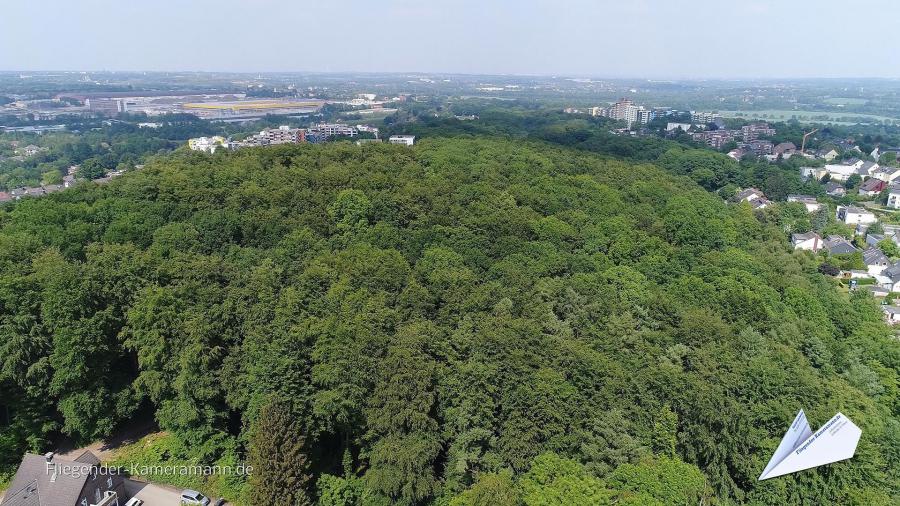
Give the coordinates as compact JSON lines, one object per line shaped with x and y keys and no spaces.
{"x":660,"y":39}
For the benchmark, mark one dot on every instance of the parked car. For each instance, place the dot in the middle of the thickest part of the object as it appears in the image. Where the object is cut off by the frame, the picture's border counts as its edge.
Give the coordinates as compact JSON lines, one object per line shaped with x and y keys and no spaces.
{"x":193,"y":498}
{"x":134,"y":501}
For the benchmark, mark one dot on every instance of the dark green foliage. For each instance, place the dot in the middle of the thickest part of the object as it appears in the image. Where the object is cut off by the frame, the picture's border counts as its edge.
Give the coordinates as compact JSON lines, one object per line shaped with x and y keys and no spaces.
{"x":445,"y":316}
{"x":277,"y":455}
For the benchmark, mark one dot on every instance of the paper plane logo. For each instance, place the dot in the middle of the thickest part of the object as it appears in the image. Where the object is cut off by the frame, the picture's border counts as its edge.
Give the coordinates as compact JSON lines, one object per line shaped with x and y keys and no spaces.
{"x":802,"y":449}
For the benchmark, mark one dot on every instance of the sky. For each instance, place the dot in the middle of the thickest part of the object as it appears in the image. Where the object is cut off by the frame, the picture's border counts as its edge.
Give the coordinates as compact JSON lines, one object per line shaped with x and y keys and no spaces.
{"x":579,"y":38}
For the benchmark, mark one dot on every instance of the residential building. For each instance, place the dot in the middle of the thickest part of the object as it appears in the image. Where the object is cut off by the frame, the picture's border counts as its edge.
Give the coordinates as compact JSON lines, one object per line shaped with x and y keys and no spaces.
{"x":282,"y":135}
{"x":625,"y":110}
{"x":334,"y":129}
{"x":828,"y":154}
{"x":716,"y":139}
{"x":206,"y":144}
{"x":866,"y":169}
{"x":754,"y":197}
{"x":875,"y":259}
{"x":874,"y":239}
{"x":737,"y":154}
{"x":754,"y":131}
{"x":812,"y":205}
{"x":851,"y":215}
{"x":810,"y":241}
{"x":675,"y":126}
{"x":704,"y":118}
{"x":837,"y":245}
{"x":760,"y":147}
{"x":406,"y":140}
{"x":42,"y":480}
{"x":893,"y":200}
{"x":374,"y":130}
{"x":871,"y":187}
{"x":812,"y":173}
{"x":888,"y":174}
{"x":749,"y":195}
{"x":890,"y":277}
{"x":891,"y":314}
{"x":105,"y":106}
{"x":843,"y":171}
{"x":833,"y":189}
{"x":784,"y":148}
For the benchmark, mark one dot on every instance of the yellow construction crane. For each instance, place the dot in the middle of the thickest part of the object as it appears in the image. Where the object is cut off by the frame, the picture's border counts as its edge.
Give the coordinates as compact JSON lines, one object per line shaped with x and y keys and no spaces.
{"x":805,"y":136}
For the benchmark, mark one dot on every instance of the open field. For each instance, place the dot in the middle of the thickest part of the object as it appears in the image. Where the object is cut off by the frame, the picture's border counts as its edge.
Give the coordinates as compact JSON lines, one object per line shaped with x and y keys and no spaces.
{"x":846,"y":118}
{"x":845,"y":101}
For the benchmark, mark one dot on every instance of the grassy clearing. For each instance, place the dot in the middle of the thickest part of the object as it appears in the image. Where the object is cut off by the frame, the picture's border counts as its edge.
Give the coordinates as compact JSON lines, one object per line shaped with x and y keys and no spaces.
{"x":163,"y":449}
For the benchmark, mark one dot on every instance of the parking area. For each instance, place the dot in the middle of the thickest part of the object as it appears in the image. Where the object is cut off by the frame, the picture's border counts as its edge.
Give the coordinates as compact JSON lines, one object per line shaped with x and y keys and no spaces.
{"x":153,"y":494}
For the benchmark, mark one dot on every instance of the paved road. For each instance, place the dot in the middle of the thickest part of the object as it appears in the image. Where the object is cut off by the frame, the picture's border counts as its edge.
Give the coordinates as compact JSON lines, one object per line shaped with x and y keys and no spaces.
{"x":153,"y":494}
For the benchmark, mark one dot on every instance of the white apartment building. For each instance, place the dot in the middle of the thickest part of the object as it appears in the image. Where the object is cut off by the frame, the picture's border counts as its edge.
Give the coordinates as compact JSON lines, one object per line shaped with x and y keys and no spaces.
{"x":855,"y":216}
{"x":406,"y":140}
{"x":334,"y":129}
{"x":207,"y":144}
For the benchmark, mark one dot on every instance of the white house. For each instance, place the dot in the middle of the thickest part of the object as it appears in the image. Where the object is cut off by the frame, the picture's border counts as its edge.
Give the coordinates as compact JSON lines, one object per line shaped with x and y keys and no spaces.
{"x":843,"y":171}
{"x":812,"y":205}
{"x":675,"y":126}
{"x":891,"y":314}
{"x":750,"y":194}
{"x":809,"y":241}
{"x":887,"y":174}
{"x":828,"y":154}
{"x":812,"y":172}
{"x":894,"y":198}
{"x":208,"y":144}
{"x":855,"y":215}
{"x":406,"y":140}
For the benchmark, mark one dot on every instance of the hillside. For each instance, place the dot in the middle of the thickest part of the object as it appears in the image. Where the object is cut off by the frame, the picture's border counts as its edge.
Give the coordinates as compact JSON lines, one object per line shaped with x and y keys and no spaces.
{"x":465,"y":320}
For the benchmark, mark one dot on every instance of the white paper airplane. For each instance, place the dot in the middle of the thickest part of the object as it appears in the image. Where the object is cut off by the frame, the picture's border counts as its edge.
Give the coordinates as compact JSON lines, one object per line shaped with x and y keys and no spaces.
{"x":801,"y":449}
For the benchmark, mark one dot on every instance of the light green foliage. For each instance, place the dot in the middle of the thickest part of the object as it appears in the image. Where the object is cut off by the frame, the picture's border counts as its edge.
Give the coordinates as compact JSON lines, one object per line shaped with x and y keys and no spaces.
{"x":553,"y":480}
{"x":665,"y":429}
{"x":662,"y":480}
{"x":337,"y":491}
{"x":491,"y":489}
{"x":889,"y":248}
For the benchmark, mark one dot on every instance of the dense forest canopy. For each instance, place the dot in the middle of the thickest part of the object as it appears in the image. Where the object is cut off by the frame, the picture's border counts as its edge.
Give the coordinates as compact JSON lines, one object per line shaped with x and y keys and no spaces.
{"x":468,"y":321}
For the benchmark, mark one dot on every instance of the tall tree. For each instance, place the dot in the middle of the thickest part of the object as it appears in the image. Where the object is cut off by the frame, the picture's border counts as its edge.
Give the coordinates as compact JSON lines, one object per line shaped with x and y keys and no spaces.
{"x":277,"y":455}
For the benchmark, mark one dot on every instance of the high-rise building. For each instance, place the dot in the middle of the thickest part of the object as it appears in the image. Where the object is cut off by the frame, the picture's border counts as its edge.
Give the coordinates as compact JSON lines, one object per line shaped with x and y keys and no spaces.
{"x":625,"y":110}
{"x":105,"y":106}
{"x":330,"y":129}
{"x":282,"y":135}
{"x":406,"y":140}
{"x":704,"y":118}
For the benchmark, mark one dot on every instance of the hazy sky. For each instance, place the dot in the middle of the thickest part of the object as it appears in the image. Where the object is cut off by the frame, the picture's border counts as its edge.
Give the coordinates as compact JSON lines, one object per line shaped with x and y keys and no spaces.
{"x":600,"y":38}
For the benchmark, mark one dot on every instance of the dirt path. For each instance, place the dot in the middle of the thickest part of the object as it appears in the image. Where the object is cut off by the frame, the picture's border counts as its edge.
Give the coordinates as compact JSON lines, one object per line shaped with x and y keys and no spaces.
{"x":105,"y":449}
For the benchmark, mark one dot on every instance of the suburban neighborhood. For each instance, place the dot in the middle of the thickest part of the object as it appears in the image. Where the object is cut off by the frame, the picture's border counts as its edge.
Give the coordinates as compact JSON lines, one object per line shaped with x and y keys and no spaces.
{"x":858,"y":223}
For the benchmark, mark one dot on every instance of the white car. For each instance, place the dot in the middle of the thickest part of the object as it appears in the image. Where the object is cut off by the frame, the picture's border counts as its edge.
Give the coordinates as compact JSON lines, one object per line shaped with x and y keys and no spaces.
{"x":134,"y":501}
{"x":194,"y":498}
